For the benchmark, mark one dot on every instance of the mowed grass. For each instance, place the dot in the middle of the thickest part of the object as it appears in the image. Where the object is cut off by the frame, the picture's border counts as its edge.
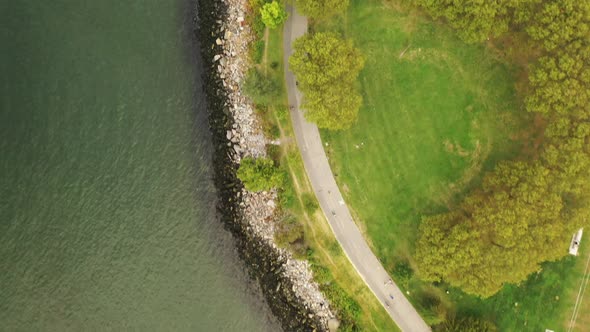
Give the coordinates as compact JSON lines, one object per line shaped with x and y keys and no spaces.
{"x":437,"y":114}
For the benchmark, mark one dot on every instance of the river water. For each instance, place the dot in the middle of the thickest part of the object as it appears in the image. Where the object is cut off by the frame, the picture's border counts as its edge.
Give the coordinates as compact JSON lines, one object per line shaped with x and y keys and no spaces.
{"x":107,"y":218}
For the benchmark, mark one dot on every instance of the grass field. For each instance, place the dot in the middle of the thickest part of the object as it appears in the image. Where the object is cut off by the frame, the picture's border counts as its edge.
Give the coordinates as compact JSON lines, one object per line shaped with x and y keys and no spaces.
{"x":437,"y":113}
{"x":325,"y":250}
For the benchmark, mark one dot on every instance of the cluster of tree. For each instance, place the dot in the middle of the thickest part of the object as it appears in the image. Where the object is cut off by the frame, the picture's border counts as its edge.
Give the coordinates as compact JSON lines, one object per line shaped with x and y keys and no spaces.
{"x":319,"y":9}
{"x":258,"y":174}
{"x":553,"y":22}
{"x":526,"y":211}
{"x":327,"y":68}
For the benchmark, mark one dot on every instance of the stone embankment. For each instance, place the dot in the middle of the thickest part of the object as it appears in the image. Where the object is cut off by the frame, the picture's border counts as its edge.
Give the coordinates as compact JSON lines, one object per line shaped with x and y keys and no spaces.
{"x":286,"y":282}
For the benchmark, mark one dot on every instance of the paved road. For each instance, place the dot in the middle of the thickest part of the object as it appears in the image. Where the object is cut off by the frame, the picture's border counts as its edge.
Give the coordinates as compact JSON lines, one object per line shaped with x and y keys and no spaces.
{"x":331,"y":201}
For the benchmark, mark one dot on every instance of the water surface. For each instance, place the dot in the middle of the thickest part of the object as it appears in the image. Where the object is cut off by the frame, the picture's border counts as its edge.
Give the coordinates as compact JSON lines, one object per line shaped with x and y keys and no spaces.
{"x":106,"y":199}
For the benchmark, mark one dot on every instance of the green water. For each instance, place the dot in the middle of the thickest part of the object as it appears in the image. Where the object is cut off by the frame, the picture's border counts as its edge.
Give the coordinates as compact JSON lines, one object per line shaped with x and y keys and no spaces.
{"x":106,"y":199}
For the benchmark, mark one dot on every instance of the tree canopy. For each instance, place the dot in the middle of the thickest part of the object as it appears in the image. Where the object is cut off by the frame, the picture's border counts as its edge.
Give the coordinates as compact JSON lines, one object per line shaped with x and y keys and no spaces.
{"x":321,"y":8}
{"x":273,"y":14}
{"x":258,"y":174}
{"x":526,"y":210}
{"x":327,"y":68}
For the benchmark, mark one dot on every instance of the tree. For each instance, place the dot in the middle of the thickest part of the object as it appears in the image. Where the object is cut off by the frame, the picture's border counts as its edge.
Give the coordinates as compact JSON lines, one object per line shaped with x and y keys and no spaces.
{"x":327,"y":68}
{"x":501,"y":233}
{"x":321,"y":8}
{"x":560,"y":22}
{"x":273,"y":14}
{"x":561,"y":82}
{"x":525,"y":212}
{"x":259,"y":174}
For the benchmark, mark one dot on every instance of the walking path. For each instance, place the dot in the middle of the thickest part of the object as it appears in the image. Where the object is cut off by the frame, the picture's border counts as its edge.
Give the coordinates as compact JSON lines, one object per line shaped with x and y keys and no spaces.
{"x":331,"y":201}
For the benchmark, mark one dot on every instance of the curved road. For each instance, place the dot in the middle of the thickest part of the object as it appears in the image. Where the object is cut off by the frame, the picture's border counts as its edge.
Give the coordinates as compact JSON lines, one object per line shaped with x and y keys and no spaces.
{"x":331,"y":201}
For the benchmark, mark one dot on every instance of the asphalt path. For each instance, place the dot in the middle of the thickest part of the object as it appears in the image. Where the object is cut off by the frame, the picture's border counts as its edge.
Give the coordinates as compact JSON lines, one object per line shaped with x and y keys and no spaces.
{"x":332,"y":203}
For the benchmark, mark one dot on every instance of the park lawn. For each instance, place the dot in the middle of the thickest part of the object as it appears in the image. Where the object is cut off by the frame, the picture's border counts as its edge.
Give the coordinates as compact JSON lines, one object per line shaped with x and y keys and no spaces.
{"x":325,"y":250}
{"x":437,"y":113}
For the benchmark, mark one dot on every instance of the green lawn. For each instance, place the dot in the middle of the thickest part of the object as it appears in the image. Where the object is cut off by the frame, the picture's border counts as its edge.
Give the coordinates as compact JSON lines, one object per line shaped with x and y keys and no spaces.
{"x":437,"y":113}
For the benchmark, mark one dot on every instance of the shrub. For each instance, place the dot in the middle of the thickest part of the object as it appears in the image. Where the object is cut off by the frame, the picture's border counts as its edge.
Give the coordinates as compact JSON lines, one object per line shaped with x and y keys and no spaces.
{"x":403,"y":272}
{"x":289,"y":231}
{"x":287,"y":198}
{"x":261,"y":89}
{"x":322,"y":275}
{"x":310,"y":204}
{"x":274,"y":152}
{"x":282,"y":113}
{"x":467,"y":324}
{"x":349,"y":310}
{"x":259,"y":174}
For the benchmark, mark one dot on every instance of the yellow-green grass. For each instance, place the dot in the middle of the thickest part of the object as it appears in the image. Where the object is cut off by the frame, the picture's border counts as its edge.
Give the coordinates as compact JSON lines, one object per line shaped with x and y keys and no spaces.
{"x":318,"y":235}
{"x":437,"y":114}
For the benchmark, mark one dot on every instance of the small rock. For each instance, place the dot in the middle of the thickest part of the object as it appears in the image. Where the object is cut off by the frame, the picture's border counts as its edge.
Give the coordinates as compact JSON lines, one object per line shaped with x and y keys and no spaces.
{"x":218,"y":41}
{"x":333,"y":324}
{"x":216,"y":57}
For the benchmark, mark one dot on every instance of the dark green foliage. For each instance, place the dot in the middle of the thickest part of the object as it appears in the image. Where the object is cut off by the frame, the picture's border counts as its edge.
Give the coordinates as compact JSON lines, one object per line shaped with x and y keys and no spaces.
{"x":256,"y":19}
{"x":349,"y":310}
{"x":403,"y":273}
{"x":310,"y":202}
{"x":467,"y":324}
{"x":274,"y":152}
{"x":263,"y":90}
{"x":288,"y":232}
{"x":260,"y":174}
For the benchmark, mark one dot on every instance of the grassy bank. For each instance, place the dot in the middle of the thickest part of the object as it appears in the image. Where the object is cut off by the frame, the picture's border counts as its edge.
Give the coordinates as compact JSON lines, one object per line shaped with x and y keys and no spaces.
{"x":299,"y":209}
{"x":437,"y":113}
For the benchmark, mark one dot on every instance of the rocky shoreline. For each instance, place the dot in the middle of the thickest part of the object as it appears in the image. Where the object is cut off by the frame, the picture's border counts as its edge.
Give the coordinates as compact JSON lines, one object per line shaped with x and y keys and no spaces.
{"x":287,"y":283}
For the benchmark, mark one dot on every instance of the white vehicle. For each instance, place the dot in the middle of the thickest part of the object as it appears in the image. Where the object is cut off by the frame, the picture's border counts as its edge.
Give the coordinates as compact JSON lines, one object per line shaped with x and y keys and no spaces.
{"x":575,"y":245}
